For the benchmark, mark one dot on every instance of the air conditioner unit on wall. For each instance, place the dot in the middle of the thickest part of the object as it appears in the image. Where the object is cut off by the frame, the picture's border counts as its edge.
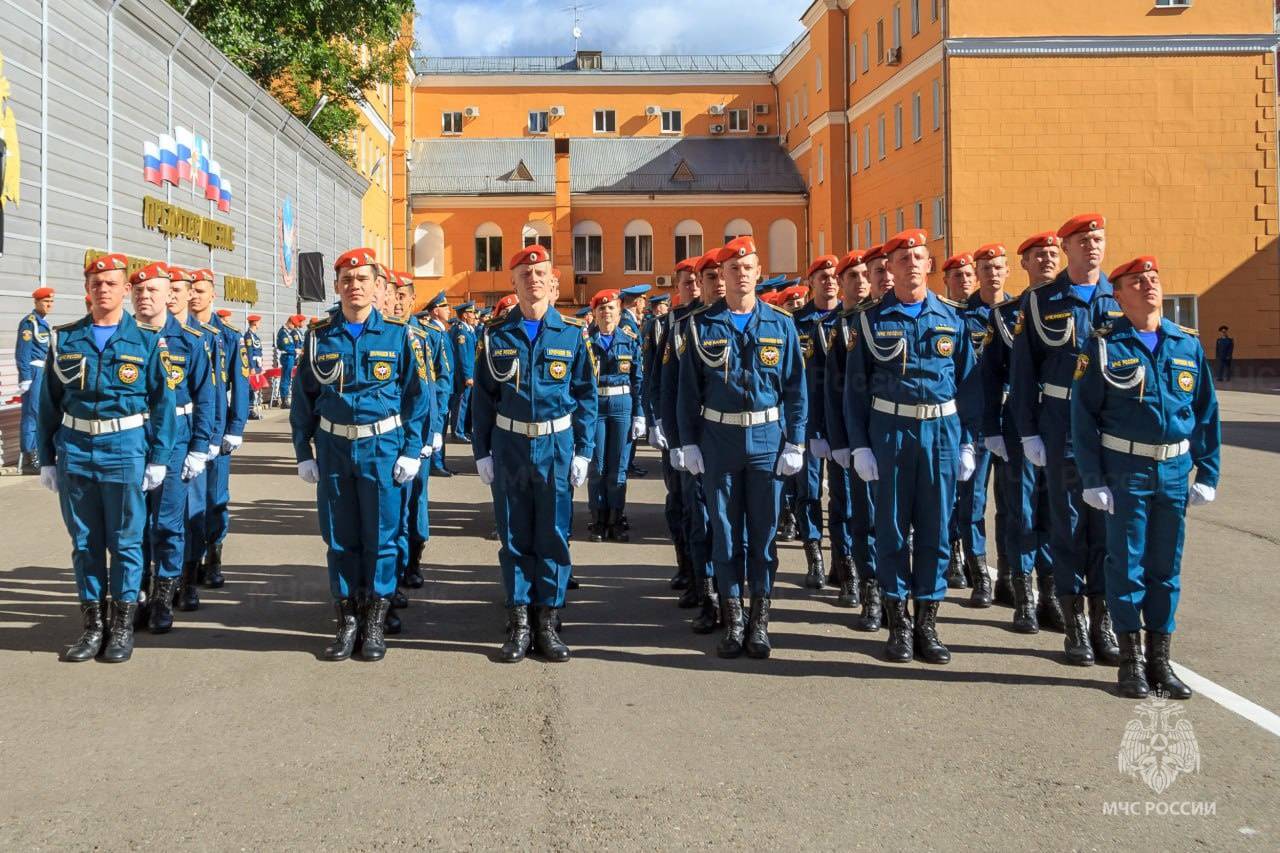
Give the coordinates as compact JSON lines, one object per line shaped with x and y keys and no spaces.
{"x":762,"y":109}
{"x":716,"y":109}
{"x":717,"y":128}
{"x":762,"y":129}
{"x":653,"y":111}
{"x":471,"y":112}
{"x":556,"y":112}
{"x":895,"y":56}
{"x":661,"y":281}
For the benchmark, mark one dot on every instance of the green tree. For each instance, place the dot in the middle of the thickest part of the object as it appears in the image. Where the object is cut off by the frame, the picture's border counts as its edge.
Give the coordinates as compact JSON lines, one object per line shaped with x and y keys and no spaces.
{"x":303,"y":50}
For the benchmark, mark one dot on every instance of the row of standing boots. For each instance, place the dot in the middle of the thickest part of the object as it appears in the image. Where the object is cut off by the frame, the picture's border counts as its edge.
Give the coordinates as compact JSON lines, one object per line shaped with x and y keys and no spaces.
{"x":538,"y":630}
{"x":107,"y":633}
{"x":609,"y":524}
{"x":361,"y":627}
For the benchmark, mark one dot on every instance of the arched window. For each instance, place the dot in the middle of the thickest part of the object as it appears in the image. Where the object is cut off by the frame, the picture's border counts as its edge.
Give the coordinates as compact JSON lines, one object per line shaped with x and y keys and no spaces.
{"x":782,"y":247}
{"x":428,"y":250}
{"x":688,"y":239}
{"x":737,"y":228}
{"x":488,"y":248}
{"x":588,"y":247}
{"x":637,"y":246}
{"x":536,"y":231}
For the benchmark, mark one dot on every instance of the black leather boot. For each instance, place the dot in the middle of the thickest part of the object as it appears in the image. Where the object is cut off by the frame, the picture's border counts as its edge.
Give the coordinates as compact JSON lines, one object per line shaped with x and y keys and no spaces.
{"x":683,"y":578}
{"x":518,"y":636}
{"x":548,"y":642}
{"x":1102,"y":636}
{"x":899,"y":649}
{"x":1131,"y":678}
{"x":1076,"y":641}
{"x":142,"y":616}
{"x":1003,"y":593}
{"x":160,"y":616}
{"x":730,"y":645}
{"x":189,"y":595}
{"x":977,"y":566}
{"x":708,"y":618}
{"x":1048,"y":610}
{"x":413,"y":574}
{"x":345,"y":641}
{"x":758,"y":629}
{"x":616,"y":532}
{"x":1024,"y":611}
{"x":872,"y":618}
{"x":94,"y":631}
{"x":692,"y":594}
{"x":598,"y":526}
{"x":787,"y":526}
{"x":955,"y":567}
{"x":927,"y":645}
{"x":816,"y":577}
{"x":392,"y":625}
{"x":850,"y":583}
{"x":1160,"y":674}
{"x":399,"y":601}
{"x":213,"y":567}
{"x":373,"y":629}
{"x":120,"y":644}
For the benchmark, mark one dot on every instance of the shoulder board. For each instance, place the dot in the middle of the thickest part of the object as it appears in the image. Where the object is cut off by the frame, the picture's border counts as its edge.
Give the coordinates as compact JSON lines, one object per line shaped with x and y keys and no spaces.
{"x":1102,"y":331}
{"x":953,"y":303}
{"x":574,"y":321}
{"x":696,"y":311}
{"x":399,"y":321}
{"x":781,"y":310}
{"x":319,"y":324}
{"x":190,"y":330}
{"x":493,"y":322}
{"x":68,"y":326}
{"x":231,"y":327}
{"x":209,"y":327}
{"x":866,"y":304}
{"x":417,"y":332}
{"x":147,"y":327}
{"x":1043,"y":284}
{"x":1190,"y":331}
{"x":630,"y":331}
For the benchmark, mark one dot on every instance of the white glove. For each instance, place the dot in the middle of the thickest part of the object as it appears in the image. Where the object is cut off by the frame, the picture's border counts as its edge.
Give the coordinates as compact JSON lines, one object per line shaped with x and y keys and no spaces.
{"x":820,"y":447}
{"x":193,"y":465}
{"x":309,"y":471}
{"x":657,"y":438}
{"x":24,"y":386}
{"x":967,"y":463}
{"x":637,"y":428}
{"x":49,"y":477}
{"x":153,"y":477}
{"x":578,"y":471}
{"x":215,"y":450}
{"x":843,"y":458}
{"x":677,"y":459}
{"x":484,"y":469}
{"x":1100,"y":499}
{"x":864,"y":462}
{"x":995,"y":445}
{"x":1199,"y":495}
{"x":231,"y":443}
{"x":437,"y":442}
{"x":693,"y":459}
{"x":405,"y":469}
{"x":790,"y":460}
{"x":1033,"y":449}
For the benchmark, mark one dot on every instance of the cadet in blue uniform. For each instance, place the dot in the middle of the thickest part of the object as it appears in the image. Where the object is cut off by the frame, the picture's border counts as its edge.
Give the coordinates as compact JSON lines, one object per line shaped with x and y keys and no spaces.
{"x":1143,"y":414}
{"x":105,"y":381}
{"x":619,"y":363}
{"x":462,"y":336}
{"x":911,"y":406}
{"x":654,"y":343}
{"x":534,"y":415}
{"x":436,"y":324}
{"x":253,"y":348}
{"x":742,"y":407}
{"x":29,"y":356}
{"x":288,"y":350}
{"x":1057,"y":318}
{"x":362,"y":400}
{"x":186,"y":360}
{"x":633,"y":315}
{"x":960,"y":279}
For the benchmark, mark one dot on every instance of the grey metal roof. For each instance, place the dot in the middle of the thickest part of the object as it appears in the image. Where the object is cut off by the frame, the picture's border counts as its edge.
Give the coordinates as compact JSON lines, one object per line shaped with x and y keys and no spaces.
{"x":1109,"y":45}
{"x":629,"y":165}
{"x":707,"y":64}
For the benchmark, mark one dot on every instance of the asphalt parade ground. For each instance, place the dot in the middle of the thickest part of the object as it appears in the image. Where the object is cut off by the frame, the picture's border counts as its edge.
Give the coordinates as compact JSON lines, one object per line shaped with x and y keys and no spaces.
{"x":229,"y":732}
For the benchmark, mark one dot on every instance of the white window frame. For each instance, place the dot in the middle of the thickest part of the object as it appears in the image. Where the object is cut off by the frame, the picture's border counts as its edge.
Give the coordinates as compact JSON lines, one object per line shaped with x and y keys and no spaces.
{"x":897,"y":126}
{"x":855,"y":153}
{"x":672,"y":117}
{"x":536,"y":231}
{"x":822,"y":169}
{"x":866,"y":51}
{"x":687,"y":231}
{"x":901,"y":221}
{"x":853,"y":62}
{"x":866,"y":147}
{"x":937,"y":104}
{"x":933,"y":10}
{"x":915,"y":17}
{"x":939,"y":216}
{"x":734,"y":233}
{"x":539,"y":121}
{"x":917,"y":131}
{"x":880,"y":134}
{"x":601,"y":120}
{"x":867,"y":226}
{"x":897,"y":26}
{"x":637,"y":247}
{"x":448,"y":118}
{"x":588,"y":232}
{"x":492,"y":256}
{"x":919,"y":214}
{"x":817,"y":74}
{"x":884,"y":228}
{"x":1172,"y":304}
{"x":739,"y":121}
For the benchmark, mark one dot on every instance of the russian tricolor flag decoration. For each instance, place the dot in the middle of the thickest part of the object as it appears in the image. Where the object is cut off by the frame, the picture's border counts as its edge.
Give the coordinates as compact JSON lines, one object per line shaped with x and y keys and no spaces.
{"x":182,"y":157}
{"x":213,"y":182}
{"x":168,"y":159}
{"x":224,"y":197}
{"x":185,"y":143}
{"x":151,"y":163}
{"x":201,"y":152}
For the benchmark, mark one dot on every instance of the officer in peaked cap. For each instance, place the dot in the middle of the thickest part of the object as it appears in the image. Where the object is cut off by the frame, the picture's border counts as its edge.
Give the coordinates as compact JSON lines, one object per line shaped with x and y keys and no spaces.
{"x":436,"y":323}
{"x":534,"y":416}
{"x":583,"y":313}
{"x":462,"y":337}
{"x":29,"y":356}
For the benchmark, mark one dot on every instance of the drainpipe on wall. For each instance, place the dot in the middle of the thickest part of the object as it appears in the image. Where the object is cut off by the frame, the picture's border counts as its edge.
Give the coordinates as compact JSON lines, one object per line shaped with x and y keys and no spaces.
{"x":848,"y":145}
{"x":945,"y":106}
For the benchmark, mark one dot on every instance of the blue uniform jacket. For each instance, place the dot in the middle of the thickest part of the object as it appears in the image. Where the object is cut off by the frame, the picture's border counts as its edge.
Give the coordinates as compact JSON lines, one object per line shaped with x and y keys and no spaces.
{"x":730,"y":371}
{"x":33,"y":345}
{"x":1125,"y":390}
{"x":540,"y":381}
{"x":361,"y":381}
{"x":288,"y":344}
{"x":837,"y":361}
{"x":184,"y":353}
{"x":234,"y":359}
{"x":994,"y":367}
{"x":214,"y":350}
{"x":127,"y":378}
{"x":441,"y":369}
{"x":463,"y":342}
{"x":653,"y":343}
{"x":667,"y":405}
{"x":925,"y":360}
{"x":1050,"y":334}
{"x":620,"y":364}
{"x":253,"y":347}
{"x":817,"y":330}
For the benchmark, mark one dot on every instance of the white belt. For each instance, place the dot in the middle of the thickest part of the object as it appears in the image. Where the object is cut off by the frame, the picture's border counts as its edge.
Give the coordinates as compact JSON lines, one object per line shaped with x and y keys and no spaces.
{"x":1158,"y":452}
{"x":351,"y":432}
{"x":613,"y":390}
{"x":1061,"y":392}
{"x":742,"y":419}
{"x":919,"y":411}
{"x":534,"y":430}
{"x":183,"y":411}
{"x":92,"y":427}
{"x":39,"y":364}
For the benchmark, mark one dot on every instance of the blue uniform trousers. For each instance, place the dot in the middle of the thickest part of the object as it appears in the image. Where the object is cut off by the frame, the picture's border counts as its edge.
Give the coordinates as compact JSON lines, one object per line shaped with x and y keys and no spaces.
{"x":1144,"y":540}
{"x":533,"y":506}
{"x":607,"y":480}
{"x":419,"y":519}
{"x":969,"y":521}
{"x":743,"y":495}
{"x":197,"y":509}
{"x":808,"y":500}
{"x":217,"y":514}
{"x":286,"y":375}
{"x":104,"y":518}
{"x":165,"y":543}
{"x":840,"y":510}
{"x":696,"y":524}
{"x":1077,"y":533}
{"x":360,"y":510}
{"x":862,"y":524}
{"x":30,"y":411}
{"x":1026,"y":538}
{"x":673,"y":507}
{"x":914,"y":498}
{"x":460,"y":412}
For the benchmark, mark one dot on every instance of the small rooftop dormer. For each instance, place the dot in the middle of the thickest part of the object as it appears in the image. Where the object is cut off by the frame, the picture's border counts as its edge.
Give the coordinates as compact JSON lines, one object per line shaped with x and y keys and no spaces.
{"x":590,"y":60}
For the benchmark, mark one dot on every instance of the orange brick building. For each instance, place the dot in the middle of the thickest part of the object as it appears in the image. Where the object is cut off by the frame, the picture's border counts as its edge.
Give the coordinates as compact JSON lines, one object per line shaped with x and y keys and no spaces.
{"x":978,"y":120}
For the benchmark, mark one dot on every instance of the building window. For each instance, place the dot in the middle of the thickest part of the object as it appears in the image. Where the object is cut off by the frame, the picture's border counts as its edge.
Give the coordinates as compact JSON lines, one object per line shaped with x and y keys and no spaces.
{"x":740,"y":120}
{"x":915,"y":116}
{"x":671,"y":121}
{"x":688,"y":239}
{"x":428,"y":250}
{"x":535,"y":231}
{"x":853,"y":61}
{"x":588,"y":248}
{"x":606,"y":121}
{"x":897,"y":126}
{"x":637,"y":247}
{"x":538,"y":121}
{"x":817,"y":74}
{"x":854,"y":152}
{"x":884,"y":228}
{"x":900,"y":221}
{"x":880,"y":136}
{"x":939,"y":217}
{"x":1182,"y":310}
{"x":790,"y":123}
{"x":897,"y":25}
{"x":737,"y":228}
{"x":915,"y":17}
{"x":866,"y":51}
{"x":867,"y":228}
{"x":933,"y":9}
{"x":451,"y":122}
{"x":880,"y":42}
{"x":804,"y":101}
{"x":822,"y":169}
{"x":866,"y":147}
{"x":783,"y":240}
{"x":919,"y":214}
{"x":488,"y":248}
{"x":822,"y":242}
{"x":937,"y":104}
{"x":857,"y":232}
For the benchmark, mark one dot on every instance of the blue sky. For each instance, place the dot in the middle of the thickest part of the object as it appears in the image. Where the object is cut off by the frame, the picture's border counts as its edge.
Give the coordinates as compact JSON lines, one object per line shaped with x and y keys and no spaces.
{"x":542,"y":27}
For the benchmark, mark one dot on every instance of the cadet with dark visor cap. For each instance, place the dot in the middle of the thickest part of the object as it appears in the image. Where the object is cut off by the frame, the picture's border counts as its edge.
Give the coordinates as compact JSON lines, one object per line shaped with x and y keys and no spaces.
{"x":29,"y":356}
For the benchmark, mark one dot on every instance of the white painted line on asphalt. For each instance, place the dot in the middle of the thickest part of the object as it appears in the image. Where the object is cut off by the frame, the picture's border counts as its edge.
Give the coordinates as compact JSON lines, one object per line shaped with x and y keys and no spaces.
{"x":1233,"y":702}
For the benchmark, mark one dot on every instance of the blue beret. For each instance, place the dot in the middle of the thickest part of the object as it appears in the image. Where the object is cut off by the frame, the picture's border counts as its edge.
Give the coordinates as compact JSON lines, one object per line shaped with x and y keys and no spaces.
{"x":774,"y":281}
{"x":441,"y":298}
{"x":657,"y":300}
{"x":636,"y":290}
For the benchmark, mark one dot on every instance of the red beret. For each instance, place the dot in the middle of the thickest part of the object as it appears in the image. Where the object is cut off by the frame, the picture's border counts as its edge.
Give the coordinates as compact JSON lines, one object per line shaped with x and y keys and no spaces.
{"x":255,"y":318}
{"x":1083,"y":222}
{"x":154,"y":270}
{"x":771,"y":297}
{"x":795,"y":291}
{"x":297,"y":319}
{"x":739,"y":247}
{"x":822,"y":262}
{"x":989,"y":251}
{"x":874,"y":253}
{"x":42,"y":293}
{"x":504,"y":303}
{"x":180,"y":274}
{"x":385,"y":272}
{"x":534,"y":254}
{"x":399,"y":279}
{"x":852,"y":259}
{"x":114,"y":261}
{"x":710,"y":259}
{"x":202,"y":274}
{"x":908,"y":239}
{"x":687,"y":264}
{"x":1035,"y":241}
{"x":957,"y":261}
{"x":224,"y":313}
{"x":362,"y":257}
{"x":604,"y":296}
{"x":1140,"y":264}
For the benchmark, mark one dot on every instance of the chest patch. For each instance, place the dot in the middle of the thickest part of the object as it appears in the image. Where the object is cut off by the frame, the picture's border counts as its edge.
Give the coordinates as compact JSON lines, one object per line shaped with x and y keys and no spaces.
{"x":944,"y":346}
{"x":127,"y":373}
{"x":381,"y":371}
{"x":558,"y":369}
{"x":1186,"y":381}
{"x":769,"y":356}
{"x":26,"y":334}
{"x":624,"y":366}
{"x":1082,"y":364}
